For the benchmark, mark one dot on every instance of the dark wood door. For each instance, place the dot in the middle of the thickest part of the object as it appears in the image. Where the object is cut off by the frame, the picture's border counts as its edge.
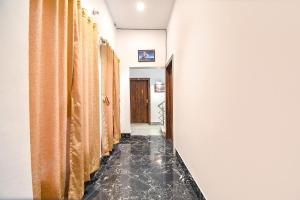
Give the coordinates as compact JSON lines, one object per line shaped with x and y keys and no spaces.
{"x":139,"y":100}
{"x":169,"y":100}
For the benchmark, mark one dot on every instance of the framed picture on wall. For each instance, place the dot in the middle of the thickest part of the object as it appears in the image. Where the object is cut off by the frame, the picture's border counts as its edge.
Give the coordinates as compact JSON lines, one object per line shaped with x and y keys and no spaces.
{"x":159,"y":87}
{"x":146,"y":55}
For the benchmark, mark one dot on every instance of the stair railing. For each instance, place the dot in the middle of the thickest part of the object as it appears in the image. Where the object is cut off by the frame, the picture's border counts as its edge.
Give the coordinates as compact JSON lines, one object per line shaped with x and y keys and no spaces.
{"x":162,"y":112}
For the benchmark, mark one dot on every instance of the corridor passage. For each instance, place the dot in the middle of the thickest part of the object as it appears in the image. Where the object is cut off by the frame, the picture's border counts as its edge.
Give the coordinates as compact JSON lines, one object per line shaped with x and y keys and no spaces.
{"x":142,"y":168}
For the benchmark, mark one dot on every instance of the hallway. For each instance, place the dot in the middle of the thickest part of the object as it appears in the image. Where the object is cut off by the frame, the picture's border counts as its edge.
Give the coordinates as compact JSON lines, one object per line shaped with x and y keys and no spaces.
{"x":149,"y":100}
{"x":142,"y":168}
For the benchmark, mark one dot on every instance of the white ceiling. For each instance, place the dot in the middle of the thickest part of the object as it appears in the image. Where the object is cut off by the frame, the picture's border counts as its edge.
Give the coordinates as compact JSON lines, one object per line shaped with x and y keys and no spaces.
{"x":155,"y":16}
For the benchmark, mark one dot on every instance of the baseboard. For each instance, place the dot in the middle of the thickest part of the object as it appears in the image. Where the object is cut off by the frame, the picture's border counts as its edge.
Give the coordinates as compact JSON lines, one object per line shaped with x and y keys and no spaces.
{"x":190,"y":179}
{"x":125,"y":135}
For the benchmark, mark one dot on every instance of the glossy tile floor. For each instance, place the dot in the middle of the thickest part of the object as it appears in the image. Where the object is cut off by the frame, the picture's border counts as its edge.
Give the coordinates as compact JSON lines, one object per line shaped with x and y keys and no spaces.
{"x":141,"y":168}
{"x":145,"y":129}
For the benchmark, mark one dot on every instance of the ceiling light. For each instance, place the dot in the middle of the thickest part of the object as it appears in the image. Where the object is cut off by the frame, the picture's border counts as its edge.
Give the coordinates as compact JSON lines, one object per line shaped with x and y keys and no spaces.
{"x":140,"y":6}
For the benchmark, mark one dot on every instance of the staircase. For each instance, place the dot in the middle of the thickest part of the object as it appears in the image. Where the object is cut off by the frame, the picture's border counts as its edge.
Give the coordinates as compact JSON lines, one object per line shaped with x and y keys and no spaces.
{"x":162,"y":116}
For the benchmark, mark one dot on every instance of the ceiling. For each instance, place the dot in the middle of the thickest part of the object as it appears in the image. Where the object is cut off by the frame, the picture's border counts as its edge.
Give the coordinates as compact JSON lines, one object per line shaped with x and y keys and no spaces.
{"x":155,"y":16}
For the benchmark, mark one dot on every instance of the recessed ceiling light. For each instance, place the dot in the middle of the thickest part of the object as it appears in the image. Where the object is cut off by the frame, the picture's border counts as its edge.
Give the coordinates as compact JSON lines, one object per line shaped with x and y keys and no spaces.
{"x":140,"y":6}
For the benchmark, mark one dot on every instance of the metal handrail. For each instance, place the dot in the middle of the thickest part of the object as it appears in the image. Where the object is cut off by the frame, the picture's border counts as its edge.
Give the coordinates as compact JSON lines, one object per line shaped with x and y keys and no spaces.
{"x":162,"y":112}
{"x":161,"y":103}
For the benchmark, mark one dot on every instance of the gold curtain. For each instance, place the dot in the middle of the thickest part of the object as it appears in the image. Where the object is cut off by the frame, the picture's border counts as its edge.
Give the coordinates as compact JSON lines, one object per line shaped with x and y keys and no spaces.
{"x":107,"y":94}
{"x":116,"y":99}
{"x":85,"y":124}
{"x":76,"y":131}
{"x":86,"y":96}
{"x":64,"y":98}
{"x":110,"y":98}
{"x":96,"y":152}
{"x":48,"y":96}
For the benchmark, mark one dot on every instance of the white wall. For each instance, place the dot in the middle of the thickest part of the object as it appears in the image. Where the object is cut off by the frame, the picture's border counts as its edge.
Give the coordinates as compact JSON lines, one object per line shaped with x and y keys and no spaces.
{"x":128,"y":43}
{"x":15,"y":158}
{"x":155,"y":74}
{"x":237,"y":96}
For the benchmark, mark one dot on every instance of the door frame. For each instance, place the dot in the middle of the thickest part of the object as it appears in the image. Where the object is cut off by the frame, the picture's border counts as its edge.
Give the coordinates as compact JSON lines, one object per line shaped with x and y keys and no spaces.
{"x":169,"y":98}
{"x":149,"y":97}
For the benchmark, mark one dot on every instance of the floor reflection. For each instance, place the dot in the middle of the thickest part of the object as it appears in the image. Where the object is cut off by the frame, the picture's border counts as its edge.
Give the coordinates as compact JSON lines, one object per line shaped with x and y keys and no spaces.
{"x":142,"y":168}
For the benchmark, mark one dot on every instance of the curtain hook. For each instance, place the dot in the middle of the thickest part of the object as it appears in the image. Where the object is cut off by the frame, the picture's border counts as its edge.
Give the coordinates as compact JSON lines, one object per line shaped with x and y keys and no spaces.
{"x":95,"y":12}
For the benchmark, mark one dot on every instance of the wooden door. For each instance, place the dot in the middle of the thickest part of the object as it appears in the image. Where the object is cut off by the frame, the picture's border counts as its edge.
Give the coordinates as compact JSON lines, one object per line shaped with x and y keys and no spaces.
{"x":169,"y":100}
{"x":139,"y":100}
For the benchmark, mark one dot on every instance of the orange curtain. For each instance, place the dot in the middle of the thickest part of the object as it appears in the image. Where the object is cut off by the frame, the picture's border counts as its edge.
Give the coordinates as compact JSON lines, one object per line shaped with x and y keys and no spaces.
{"x":48,"y":96}
{"x":85,"y":142}
{"x":107,"y":98}
{"x":96,"y":152}
{"x":105,"y":102}
{"x":110,"y":98}
{"x":76,"y":146}
{"x":86,"y":114}
{"x":64,"y":98}
{"x":116,"y":99}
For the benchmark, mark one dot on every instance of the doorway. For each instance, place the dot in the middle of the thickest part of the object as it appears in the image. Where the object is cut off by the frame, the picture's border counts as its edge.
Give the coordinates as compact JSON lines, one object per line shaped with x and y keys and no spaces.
{"x":155,"y":78}
{"x":139,"y":100}
{"x":169,"y":99}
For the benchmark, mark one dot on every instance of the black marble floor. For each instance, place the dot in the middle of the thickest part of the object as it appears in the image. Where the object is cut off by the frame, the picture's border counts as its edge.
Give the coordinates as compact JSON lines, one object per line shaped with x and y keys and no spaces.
{"x":142,"y":168}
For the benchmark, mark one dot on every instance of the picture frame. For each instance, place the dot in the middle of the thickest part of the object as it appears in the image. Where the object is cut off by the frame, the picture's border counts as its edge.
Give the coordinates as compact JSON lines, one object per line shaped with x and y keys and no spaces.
{"x":159,"y":87}
{"x":146,"y":55}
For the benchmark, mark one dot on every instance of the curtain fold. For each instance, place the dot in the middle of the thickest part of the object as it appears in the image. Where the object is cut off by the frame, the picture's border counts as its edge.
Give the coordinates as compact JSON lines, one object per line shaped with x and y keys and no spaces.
{"x":85,"y":65}
{"x":104,"y":64}
{"x":116,"y":100}
{"x":95,"y":100}
{"x":107,"y":98}
{"x":76,"y":147}
{"x":109,"y":94}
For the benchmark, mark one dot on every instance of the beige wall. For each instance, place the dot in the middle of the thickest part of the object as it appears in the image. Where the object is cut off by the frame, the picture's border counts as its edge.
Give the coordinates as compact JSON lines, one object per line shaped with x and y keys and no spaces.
{"x":15,"y":167}
{"x":128,"y":43}
{"x":237,"y":96}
